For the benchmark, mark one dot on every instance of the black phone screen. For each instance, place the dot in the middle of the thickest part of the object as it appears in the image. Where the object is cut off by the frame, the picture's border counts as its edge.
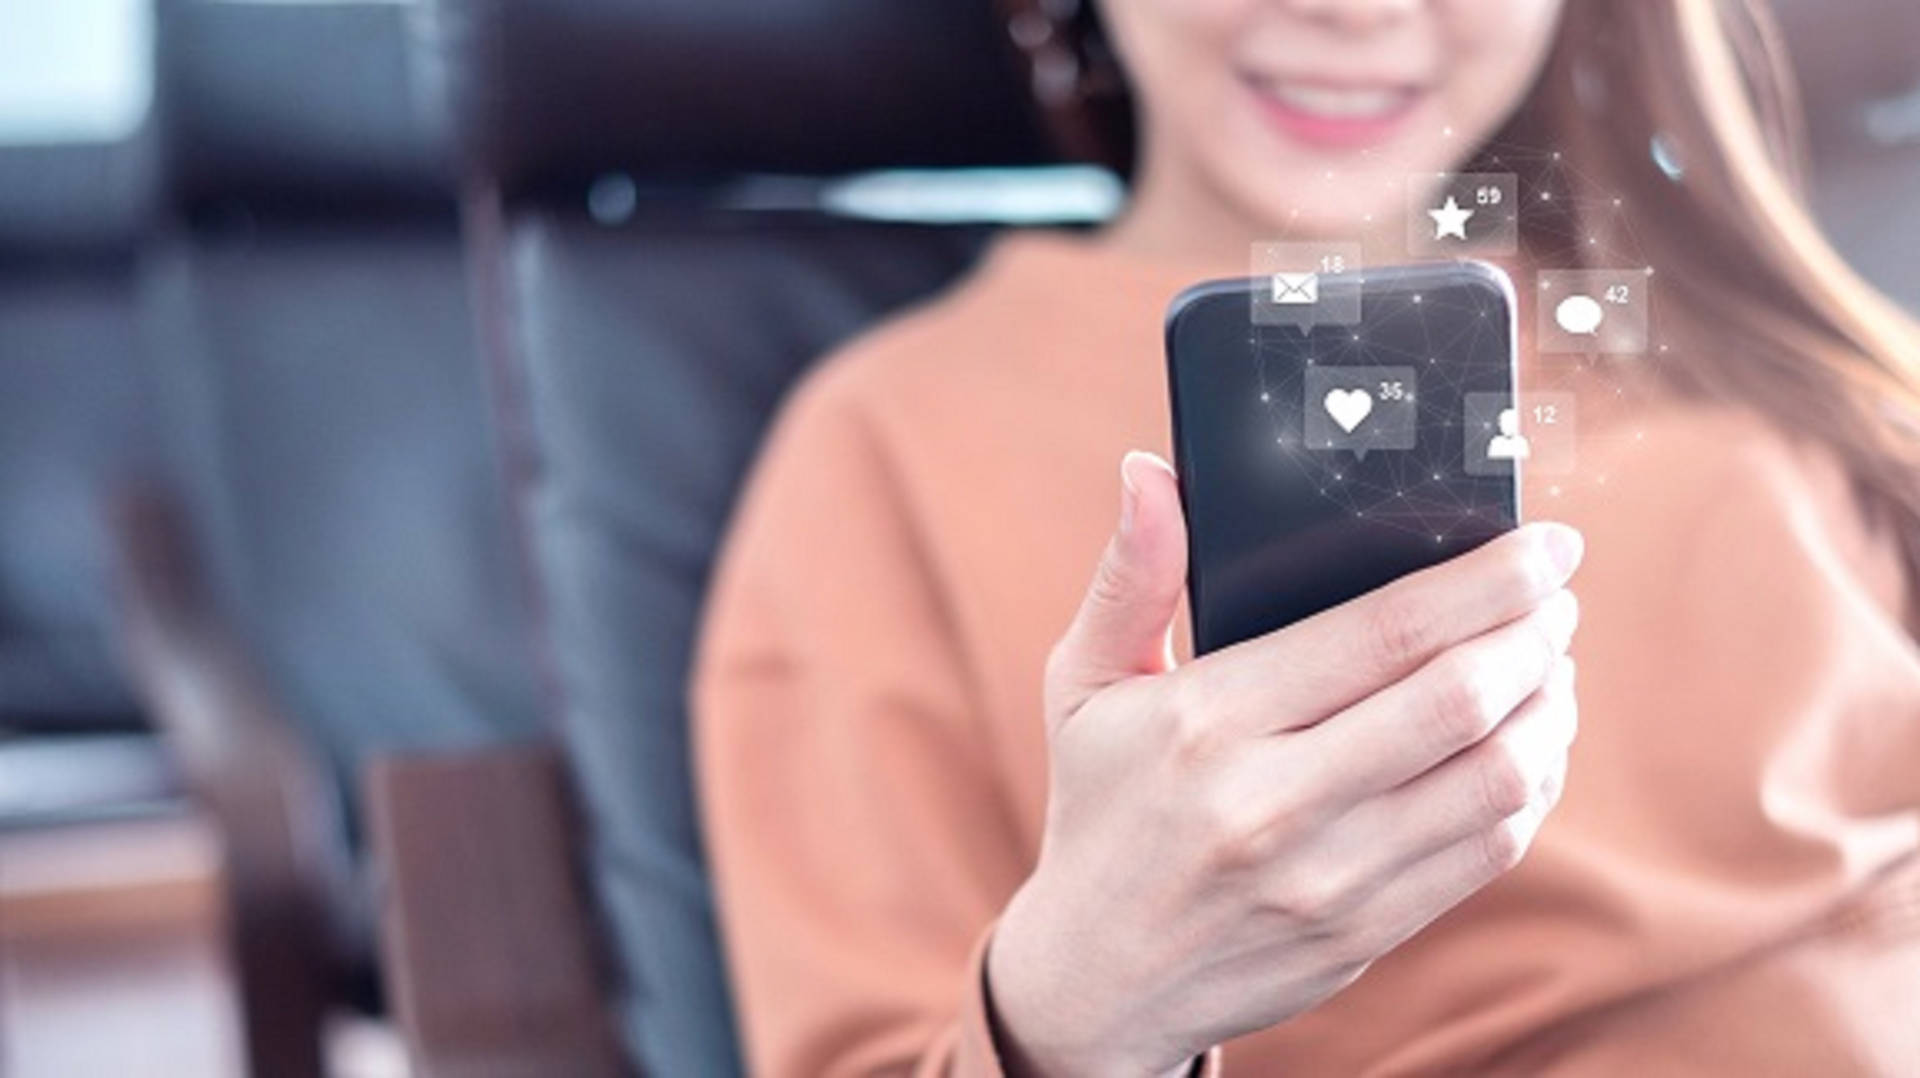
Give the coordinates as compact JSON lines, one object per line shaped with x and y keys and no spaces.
{"x":1319,"y":462}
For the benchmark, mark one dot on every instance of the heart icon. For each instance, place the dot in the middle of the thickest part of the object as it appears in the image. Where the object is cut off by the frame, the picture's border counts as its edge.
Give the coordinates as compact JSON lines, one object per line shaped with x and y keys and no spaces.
{"x":1348,"y":407}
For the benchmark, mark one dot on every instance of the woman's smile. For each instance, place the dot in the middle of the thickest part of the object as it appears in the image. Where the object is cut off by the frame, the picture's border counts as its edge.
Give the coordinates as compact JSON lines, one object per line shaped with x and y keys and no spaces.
{"x":1335,"y":115}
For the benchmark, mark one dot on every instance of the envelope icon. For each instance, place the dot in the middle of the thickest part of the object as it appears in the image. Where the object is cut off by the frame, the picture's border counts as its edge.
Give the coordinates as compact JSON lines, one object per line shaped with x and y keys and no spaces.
{"x":1296,"y":289}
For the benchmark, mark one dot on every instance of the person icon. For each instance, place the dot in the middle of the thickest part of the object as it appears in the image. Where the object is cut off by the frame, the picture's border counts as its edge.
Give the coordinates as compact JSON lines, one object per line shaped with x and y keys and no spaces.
{"x":1509,"y":444}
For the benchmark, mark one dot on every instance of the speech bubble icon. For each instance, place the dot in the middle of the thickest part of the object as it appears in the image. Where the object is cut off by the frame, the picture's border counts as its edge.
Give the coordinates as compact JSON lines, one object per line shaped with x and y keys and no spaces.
{"x":1579,"y":315}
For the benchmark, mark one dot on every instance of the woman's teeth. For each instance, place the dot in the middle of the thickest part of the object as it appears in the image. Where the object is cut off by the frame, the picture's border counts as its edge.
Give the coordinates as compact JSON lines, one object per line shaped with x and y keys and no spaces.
{"x":1338,"y":104}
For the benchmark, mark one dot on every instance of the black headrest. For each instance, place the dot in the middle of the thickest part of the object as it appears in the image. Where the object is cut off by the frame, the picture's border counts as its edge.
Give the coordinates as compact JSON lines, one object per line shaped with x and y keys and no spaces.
{"x":553,"y":92}
{"x":79,"y":150}
{"x":298,"y":103}
{"x":79,"y":199}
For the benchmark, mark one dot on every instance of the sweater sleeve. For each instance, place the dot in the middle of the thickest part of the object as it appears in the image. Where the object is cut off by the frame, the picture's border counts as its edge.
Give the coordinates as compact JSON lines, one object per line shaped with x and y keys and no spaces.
{"x":1742,"y":800}
{"x":860,"y":844}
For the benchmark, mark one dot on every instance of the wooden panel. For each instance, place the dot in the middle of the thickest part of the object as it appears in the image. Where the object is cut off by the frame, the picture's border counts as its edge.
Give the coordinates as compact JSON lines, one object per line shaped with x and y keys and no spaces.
{"x":488,"y":955}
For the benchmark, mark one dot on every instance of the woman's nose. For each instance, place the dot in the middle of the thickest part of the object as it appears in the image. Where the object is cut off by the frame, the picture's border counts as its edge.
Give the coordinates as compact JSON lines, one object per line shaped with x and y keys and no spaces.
{"x":1356,"y":16}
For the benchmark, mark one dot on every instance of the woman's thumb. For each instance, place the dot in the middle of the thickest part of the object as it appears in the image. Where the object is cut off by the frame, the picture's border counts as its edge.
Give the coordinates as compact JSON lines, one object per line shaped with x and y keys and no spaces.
{"x":1122,"y":627}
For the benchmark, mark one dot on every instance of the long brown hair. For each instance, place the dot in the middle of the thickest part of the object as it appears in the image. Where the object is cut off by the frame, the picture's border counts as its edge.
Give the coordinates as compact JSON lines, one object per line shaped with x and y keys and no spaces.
{"x":1689,"y":111}
{"x":1770,"y":315}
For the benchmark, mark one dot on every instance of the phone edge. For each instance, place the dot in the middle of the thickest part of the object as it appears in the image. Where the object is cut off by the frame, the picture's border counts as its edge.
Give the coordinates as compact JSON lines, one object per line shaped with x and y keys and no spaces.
{"x":1191,"y":296}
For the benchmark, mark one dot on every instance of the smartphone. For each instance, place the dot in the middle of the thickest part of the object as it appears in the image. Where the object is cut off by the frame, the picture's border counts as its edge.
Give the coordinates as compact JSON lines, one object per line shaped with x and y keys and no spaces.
{"x":1335,"y":431}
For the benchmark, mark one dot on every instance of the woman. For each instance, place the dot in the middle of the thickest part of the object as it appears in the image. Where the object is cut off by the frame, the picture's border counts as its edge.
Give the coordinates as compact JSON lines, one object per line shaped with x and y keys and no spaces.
{"x":967,"y":814}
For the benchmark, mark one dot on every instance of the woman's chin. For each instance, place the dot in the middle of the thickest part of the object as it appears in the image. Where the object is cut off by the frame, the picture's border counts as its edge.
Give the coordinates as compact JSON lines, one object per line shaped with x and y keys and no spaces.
{"x":1321,"y":215}
{"x":1318,"y":197}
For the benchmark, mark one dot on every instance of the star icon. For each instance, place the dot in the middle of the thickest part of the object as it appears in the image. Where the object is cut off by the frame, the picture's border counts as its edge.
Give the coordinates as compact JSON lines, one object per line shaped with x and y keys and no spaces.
{"x":1450,"y":220}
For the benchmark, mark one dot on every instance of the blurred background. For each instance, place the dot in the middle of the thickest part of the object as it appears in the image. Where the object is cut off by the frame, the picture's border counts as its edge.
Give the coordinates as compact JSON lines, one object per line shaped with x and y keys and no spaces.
{"x":375,"y":379}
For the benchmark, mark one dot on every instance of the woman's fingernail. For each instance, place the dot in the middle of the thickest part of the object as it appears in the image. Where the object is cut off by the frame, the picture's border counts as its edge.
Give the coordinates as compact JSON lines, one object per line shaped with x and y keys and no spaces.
{"x":1129,"y":491}
{"x":1565,"y":547}
{"x":1562,"y":613}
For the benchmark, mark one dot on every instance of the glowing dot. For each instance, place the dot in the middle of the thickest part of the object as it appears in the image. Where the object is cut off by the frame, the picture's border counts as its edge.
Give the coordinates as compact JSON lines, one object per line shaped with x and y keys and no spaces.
{"x":1416,"y":297}
{"x":1616,"y":203}
{"x":1554,"y":490}
{"x":1556,"y":155}
{"x":1447,"y":131}
{"x":1546,"y":196}
{"x":1266,"y":396}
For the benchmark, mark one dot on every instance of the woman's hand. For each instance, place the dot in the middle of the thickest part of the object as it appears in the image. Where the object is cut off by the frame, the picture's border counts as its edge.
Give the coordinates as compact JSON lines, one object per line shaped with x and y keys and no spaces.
{"x":1229,"y":843}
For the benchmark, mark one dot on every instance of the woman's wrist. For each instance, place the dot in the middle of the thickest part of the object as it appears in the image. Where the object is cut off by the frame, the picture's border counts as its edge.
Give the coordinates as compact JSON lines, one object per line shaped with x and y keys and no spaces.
{"x":1028,"y":1016}
{"x":1026,"y":1034}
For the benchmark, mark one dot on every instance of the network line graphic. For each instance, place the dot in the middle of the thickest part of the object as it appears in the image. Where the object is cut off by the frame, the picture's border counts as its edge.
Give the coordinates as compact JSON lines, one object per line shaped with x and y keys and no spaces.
{"x":1344,"y":390}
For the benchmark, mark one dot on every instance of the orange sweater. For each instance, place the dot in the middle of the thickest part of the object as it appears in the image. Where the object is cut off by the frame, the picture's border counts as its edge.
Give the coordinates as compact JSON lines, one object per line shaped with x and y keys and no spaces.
{"x":1729,"y":885}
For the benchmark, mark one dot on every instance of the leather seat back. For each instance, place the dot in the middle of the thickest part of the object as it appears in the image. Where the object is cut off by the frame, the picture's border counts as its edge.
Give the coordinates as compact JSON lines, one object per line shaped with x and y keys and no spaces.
{"x":73,"y":424}
{"x":648,"y":331}
{"x":326,"y":419}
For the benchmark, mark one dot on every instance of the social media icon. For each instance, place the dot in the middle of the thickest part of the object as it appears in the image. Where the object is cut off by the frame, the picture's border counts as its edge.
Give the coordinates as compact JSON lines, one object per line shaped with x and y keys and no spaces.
{"x":1348,"y":407}
{"x":1450,"y":220}
{"x":1580,"y":315}
{"x":1593,"y":311}
{"x":1458,"y":213}
{"x":1360,"y":408}
{"x":1305,"y":284}
{"x":1294,"y":289}
{"x":1538,"y":428}
{"x":1508,"y":443}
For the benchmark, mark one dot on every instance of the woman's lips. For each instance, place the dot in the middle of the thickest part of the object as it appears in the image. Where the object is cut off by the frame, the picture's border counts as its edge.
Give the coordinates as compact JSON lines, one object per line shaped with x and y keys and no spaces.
{"x":1336,"y":116}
